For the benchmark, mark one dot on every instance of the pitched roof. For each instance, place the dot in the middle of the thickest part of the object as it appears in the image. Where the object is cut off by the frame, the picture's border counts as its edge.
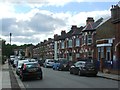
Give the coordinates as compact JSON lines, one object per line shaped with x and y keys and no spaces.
{"x":57,"y":38}
{"x":95,"y":25}
{"x":74,"y":31}
{"x":78,"y":31}
{"x":69,"y":34}
{"x":103,"y":21}
{"x":62,"y":37}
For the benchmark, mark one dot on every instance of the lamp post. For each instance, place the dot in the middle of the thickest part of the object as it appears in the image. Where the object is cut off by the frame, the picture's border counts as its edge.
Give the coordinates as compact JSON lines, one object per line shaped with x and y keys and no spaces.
{"x":10,"y":38}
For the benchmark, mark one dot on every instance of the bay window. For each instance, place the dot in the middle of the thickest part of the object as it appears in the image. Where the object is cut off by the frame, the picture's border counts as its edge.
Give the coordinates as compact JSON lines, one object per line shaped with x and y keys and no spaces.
{"x":77,"y":42}
{"x":70,"y":43}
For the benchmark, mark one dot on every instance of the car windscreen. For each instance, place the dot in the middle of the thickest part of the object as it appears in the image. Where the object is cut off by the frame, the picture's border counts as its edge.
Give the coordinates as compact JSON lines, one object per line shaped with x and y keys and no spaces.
{"x":50,"y":61}
{"x":88,"y":64}
{"x":32,"y":65}
{"x":19,"y":65}
{"x":56,"y":61}
{"x":64,"y":61}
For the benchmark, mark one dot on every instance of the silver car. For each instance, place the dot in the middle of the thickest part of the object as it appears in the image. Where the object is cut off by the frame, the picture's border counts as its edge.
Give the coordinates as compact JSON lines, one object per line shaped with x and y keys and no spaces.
{"x":49,"y":63}
{"x":19,"y":64}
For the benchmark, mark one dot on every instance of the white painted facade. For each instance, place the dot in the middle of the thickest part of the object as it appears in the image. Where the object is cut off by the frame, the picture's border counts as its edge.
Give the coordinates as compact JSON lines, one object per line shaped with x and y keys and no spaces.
{"x":55,"y":50}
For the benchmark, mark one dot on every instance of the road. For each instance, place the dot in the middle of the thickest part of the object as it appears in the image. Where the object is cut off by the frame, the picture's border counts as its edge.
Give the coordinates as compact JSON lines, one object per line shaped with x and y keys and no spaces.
{"x":63,"y":79}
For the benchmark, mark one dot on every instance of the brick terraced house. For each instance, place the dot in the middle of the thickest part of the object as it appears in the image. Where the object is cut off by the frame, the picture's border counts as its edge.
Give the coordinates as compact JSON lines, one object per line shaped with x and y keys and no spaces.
{"x":99,"y":40}
{"x":50,"y":48}
{"x":73,"y":43}
{"x":115,"y":15}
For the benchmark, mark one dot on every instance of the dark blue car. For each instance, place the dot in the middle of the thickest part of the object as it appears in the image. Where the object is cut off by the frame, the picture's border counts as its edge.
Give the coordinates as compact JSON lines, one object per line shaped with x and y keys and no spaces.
{"x":62,"y":65}
{"x":56,"y":65}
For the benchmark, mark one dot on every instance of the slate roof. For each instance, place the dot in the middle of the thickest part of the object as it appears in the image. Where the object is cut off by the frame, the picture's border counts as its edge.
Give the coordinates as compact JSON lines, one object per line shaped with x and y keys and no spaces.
{"x":57,"y":38}
{"x":95,"y":25}
{"x":50,"y":41}
{"x":75,"y":31}
{"x":62,"y":37}
{"x":69,"y":34}
{"x":103,"y":21}
{"x":78,"y":31}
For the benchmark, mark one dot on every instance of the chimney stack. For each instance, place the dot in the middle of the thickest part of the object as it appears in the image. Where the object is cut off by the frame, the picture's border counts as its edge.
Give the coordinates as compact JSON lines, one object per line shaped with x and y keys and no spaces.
{"x":89,"y":20}
{"x":74,"y":27}
{"x":49,"y":39}
{"x":63,"y":32}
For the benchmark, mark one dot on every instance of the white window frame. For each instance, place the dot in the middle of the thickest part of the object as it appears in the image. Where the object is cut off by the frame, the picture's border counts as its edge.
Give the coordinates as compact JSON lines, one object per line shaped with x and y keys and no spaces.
{"x":102,"y":52}
{"x":70,"y":43}
{"x":89,"y":39}
{"x":77,"y":42}
{"x":62,"y":45}
{"x":108,"y":50}
{"x":77,"y":55}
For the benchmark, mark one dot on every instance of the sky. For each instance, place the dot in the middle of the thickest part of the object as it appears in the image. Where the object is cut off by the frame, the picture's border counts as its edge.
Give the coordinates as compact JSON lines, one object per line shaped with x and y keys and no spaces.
{"x":33,"y":21}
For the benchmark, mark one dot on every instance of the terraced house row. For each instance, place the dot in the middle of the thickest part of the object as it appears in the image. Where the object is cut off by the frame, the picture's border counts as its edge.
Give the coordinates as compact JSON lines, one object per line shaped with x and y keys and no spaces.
{"x":98,"y":39}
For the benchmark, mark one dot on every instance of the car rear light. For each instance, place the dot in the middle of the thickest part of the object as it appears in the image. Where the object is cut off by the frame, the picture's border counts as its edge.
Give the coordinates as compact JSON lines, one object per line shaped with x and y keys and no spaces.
{"x":39,"y":65}
{"x":24,"y":67}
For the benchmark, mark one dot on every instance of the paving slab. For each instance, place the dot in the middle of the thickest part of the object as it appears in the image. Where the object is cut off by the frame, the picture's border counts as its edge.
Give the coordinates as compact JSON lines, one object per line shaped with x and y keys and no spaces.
{"x":109,"y":76}
{"x":6,"y":83}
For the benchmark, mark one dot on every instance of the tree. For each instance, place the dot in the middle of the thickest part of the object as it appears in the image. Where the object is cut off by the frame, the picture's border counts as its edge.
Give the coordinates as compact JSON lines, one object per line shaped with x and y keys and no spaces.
{"x":8,"y":49}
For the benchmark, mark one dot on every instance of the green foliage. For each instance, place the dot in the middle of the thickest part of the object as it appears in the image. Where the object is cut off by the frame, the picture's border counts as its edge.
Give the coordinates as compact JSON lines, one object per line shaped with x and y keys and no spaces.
{"x":8,"y":49}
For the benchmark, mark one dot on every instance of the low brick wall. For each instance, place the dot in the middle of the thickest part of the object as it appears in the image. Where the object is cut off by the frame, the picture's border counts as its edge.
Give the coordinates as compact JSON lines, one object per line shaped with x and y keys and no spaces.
{"x":117,"y":72}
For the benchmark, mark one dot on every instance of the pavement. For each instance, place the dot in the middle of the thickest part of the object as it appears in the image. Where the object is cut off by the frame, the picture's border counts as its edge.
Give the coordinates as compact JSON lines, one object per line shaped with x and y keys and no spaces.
{"x":9,"y":80}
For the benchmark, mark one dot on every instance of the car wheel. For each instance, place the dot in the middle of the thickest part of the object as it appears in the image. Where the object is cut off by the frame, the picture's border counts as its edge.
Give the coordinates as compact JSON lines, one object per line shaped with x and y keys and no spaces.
{"x":53,"y":68}
{"x":57,"y":68}
{"x":60,"y":69}
{"x":71,"y":72}
{"x":95,"y":75}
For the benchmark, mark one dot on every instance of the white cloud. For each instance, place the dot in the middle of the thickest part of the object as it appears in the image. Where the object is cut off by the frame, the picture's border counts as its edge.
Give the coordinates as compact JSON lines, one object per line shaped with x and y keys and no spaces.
{"x":38,"y":25}
{"x":26,"y":16}
{"x":7,"y":10}
{"x":80,"y":18}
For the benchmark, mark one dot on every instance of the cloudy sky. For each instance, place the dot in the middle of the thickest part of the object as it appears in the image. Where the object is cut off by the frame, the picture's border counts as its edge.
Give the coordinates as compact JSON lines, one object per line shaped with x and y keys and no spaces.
{"x":34,"y":21}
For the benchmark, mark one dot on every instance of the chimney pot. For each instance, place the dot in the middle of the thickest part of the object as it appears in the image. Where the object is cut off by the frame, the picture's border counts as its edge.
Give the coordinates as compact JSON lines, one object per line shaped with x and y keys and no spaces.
{"x":63,"y":32}
{"x":89,"y":19}
{"x":74,"y":27}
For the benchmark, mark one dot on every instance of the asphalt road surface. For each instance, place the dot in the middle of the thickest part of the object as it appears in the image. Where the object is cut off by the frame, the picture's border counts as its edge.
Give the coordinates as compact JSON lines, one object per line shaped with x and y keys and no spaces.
{"x":63,"y":79}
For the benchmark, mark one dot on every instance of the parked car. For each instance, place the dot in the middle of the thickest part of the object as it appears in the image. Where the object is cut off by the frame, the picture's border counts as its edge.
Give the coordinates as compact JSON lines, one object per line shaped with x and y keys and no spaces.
{"x":12,"y":60}
{"x":19,"y":65}
{"x":63,"y":65}
{"x":56,"y":65}
{"x":15,"y":63}
{"x":30,"y":70}
{"x":49,"y":63}
{"x":84,"y":68}
{"x":32,"y":60}
{"x":41,"y":62}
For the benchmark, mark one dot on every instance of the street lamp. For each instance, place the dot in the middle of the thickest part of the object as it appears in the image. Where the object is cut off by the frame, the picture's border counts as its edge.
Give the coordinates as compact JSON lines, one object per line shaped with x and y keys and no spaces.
{"x":10,"y":38}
